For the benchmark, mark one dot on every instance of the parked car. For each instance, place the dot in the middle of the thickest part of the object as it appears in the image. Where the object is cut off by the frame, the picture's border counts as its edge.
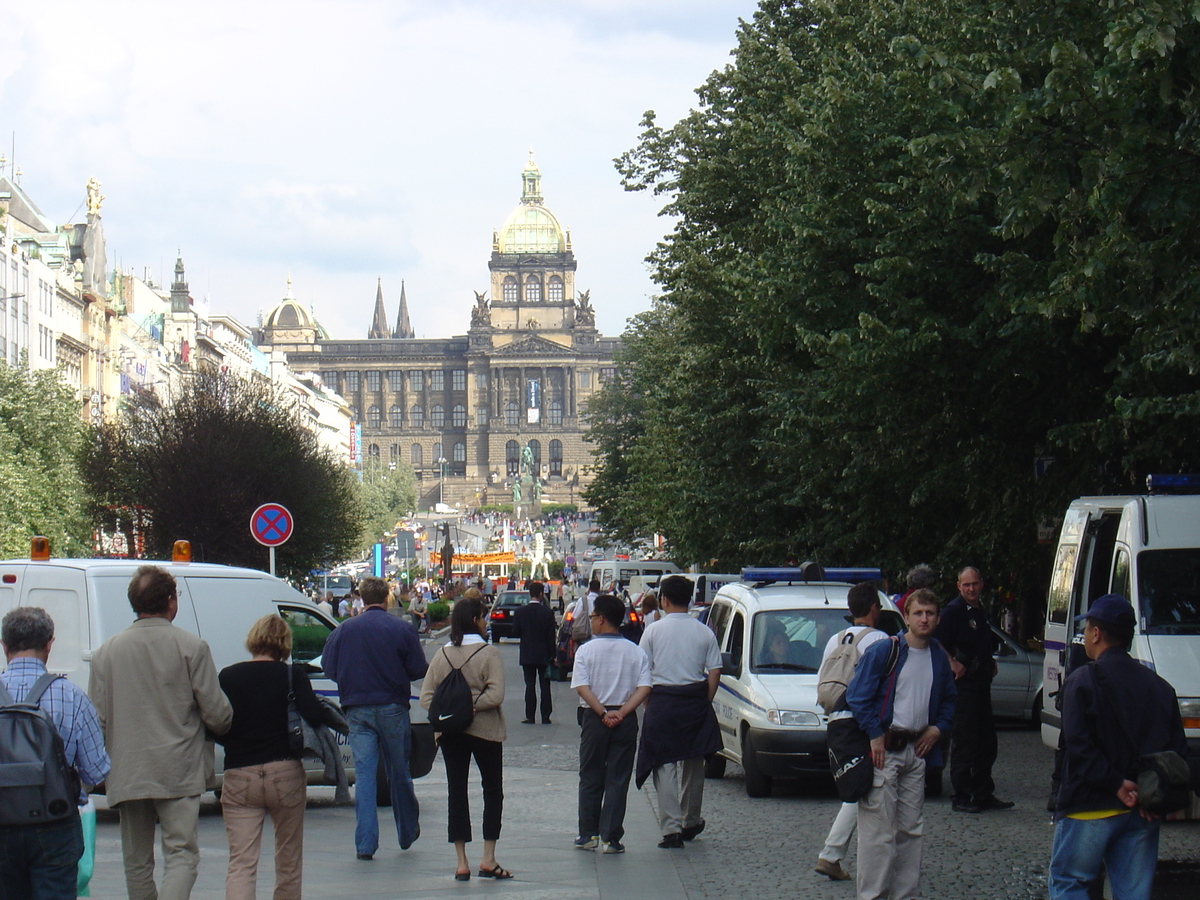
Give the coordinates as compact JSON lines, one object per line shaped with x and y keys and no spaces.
{"x":1017,"y":687}
{"x":502,"y":620}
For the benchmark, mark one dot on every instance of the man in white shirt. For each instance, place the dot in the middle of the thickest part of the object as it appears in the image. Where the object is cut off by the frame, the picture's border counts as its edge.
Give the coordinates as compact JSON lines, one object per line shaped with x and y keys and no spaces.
{"x":863,"y":601}
{"x":612,"y":678}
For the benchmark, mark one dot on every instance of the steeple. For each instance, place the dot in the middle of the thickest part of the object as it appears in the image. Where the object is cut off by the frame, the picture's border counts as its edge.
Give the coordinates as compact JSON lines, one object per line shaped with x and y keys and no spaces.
{"x":181,"y":300}
{"x":404,"y":327}
{"x":379,"y":327}
{"x":531,"y":183}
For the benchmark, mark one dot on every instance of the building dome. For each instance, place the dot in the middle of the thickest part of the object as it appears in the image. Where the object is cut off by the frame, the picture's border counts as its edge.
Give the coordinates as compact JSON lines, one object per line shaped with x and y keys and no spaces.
{"x":290,"y":322}
{"x":290,"y":314}
{"x":531,"y":228}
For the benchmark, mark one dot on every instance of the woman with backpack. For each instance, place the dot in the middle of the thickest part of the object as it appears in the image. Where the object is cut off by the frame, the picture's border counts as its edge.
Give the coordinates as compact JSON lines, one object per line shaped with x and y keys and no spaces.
{"x":480,"y":733}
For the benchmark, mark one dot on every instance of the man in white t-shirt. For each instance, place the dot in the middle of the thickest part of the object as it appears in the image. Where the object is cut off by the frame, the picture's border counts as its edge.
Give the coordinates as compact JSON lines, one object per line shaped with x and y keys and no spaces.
{"x":612,"y":678}
{"x":903,"y":713}
{"x":863,"y":601}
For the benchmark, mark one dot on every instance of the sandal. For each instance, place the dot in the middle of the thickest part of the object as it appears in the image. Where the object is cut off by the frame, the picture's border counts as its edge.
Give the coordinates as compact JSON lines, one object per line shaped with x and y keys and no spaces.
{"x":498,"y":872}
{"x":462,"y":876}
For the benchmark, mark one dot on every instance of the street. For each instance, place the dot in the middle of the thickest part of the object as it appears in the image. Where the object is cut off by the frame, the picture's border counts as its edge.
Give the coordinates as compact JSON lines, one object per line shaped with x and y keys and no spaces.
{"x":756,"y":848}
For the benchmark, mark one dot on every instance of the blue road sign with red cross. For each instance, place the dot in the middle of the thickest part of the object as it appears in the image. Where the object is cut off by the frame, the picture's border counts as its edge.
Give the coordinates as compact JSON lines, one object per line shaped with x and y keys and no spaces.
{"x":271,"y":524}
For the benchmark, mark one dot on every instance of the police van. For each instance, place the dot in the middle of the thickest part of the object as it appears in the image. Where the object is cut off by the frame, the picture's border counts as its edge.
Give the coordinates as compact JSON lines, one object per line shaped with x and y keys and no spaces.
{"x":617,"y":573}
{"x":772,"y":627}
{"x":1145,"y":547}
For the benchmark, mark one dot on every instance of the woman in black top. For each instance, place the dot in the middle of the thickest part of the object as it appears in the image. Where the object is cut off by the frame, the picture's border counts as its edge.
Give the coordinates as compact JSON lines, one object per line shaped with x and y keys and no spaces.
{"x":261,"y":774}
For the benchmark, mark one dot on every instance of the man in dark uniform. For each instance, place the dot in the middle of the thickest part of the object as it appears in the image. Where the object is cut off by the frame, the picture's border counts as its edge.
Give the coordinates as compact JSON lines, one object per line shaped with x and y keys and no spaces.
{"x":965,"y":632}
{"x":534,"y":624}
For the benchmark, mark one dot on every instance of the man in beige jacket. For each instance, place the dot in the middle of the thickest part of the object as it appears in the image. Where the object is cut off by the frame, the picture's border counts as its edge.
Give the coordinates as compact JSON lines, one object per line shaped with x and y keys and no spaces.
{"x":155,"y":689}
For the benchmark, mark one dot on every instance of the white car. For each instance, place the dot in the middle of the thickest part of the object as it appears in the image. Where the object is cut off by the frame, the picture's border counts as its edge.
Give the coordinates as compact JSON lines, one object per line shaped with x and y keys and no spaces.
{"x":772,"y":628}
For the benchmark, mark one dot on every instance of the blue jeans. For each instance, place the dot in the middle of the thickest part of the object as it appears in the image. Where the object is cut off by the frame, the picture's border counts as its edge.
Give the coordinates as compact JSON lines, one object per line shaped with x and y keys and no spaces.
{"x":1127,"y":845}
{"x":373,"y":728}
{"x":40,"y":861}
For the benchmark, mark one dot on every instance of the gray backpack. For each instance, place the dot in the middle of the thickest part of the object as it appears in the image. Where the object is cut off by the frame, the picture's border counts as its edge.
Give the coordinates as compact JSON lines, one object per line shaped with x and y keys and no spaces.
{"x":838,"y":668}
{"x":36,"y":783}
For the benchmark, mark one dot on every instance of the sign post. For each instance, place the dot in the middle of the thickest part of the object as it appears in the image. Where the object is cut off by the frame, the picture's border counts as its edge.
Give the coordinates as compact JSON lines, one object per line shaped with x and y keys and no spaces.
{"x":271,"y":525}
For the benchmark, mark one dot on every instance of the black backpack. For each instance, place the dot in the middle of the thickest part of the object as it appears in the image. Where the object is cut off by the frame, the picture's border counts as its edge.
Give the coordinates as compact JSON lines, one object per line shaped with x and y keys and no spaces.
{"x":36,"y":783}
{"x":452,"y":709}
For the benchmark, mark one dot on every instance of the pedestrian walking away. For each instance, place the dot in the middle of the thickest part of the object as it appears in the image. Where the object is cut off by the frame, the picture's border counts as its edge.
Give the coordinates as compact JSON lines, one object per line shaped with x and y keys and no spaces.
{"x":41,"y":858}
{"x":535,"y":625}
{"x":155,"y":686}
{"x":612,"y":678}
{"x":374,"y":658}
{"x":904,"y":713}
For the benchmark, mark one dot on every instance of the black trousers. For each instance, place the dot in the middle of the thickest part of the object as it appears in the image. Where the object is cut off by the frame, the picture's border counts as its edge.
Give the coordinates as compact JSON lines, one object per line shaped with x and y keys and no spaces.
{"x":457,"y":750}
{"x":605,"y":766}
{"x":533,"y":676}
{"x":973,"y":746}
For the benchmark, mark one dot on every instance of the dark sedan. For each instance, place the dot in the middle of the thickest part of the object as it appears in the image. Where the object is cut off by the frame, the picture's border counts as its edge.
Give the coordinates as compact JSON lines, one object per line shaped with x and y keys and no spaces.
{"x":504,"y":612}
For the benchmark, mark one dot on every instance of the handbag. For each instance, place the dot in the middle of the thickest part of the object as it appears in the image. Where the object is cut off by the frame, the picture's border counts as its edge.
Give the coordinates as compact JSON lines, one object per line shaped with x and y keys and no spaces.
{"x":581,"y":627}
{"x":849,"y":746}
{"x":295,"y":724}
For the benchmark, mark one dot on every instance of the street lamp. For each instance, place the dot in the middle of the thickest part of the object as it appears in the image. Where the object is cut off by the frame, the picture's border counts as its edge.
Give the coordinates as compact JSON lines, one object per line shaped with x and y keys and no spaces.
{"x":442,"y":482}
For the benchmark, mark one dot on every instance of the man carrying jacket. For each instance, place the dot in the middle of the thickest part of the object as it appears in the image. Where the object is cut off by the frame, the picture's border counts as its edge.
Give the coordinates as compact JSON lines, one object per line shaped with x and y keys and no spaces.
{"x":903,"y":713}
{"x":1108,"y":707}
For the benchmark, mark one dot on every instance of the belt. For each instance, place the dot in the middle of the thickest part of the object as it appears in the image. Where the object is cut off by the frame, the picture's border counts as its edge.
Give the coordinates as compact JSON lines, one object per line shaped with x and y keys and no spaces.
{"x":899,"y":738}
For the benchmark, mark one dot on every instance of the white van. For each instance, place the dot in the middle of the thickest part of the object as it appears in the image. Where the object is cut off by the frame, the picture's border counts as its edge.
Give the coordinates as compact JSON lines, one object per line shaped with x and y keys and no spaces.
{"x":620,"y":572}
{"x":767,"y":710}
{"x":1145,"y":547}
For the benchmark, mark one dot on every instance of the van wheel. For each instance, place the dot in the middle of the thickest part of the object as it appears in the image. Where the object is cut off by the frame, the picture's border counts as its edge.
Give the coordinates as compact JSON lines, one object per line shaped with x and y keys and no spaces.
{"x":383,"y":787}
{"x":757,"y":784}
{"x":714,"y":766}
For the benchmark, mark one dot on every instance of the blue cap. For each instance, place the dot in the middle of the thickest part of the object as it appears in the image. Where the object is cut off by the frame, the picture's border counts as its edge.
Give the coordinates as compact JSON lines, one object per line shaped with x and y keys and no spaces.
{"x":1112,"y":609}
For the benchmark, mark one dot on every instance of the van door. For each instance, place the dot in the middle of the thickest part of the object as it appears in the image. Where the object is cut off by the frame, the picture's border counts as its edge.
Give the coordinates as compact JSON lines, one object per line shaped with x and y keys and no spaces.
{"x":62,"y":593}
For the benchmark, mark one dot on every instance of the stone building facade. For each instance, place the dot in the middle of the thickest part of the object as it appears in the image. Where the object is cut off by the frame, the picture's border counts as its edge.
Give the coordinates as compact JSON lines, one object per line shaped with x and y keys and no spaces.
{"x":522,"y":374}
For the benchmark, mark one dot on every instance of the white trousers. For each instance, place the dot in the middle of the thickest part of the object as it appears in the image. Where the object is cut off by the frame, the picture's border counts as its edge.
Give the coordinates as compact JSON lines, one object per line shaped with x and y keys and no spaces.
{"x":890,"y":823}
{"x":680,"y":789}
{"x":838,"y":841}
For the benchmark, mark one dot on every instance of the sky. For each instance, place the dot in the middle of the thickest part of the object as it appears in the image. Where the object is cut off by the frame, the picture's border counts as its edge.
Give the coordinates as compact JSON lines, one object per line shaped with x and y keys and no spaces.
{"x":339,"y":142}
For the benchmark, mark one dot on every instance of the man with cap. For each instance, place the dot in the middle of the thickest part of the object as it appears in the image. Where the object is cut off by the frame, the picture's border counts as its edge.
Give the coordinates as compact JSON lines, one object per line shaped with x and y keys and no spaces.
{"x":1108,"y":706}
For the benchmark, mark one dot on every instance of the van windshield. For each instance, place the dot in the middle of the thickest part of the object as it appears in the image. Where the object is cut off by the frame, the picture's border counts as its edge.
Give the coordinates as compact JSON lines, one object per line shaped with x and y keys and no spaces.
{"x":793,"y":640}
{"x":1169,"y":588}
{"x":338,"y":585}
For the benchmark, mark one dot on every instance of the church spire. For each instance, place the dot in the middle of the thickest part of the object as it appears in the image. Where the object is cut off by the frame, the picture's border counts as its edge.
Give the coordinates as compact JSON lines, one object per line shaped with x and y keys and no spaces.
{"x":379,"y":327}
{"x":404,"y":327}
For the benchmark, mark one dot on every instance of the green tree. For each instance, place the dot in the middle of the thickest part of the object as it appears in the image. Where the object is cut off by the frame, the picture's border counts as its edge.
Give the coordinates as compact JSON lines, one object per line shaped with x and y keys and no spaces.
{"x":201,"y":461}
{"x":384,"y":495}
{"x":41,"y":491}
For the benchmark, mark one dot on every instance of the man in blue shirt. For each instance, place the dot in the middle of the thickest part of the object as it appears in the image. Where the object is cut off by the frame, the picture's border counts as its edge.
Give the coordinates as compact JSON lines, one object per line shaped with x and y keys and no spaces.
{"x":43,"y":860}
{"x":374,"y":657}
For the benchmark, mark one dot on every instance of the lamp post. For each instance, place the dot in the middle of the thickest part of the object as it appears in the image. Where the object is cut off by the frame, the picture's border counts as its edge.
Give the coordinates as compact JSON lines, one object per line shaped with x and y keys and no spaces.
{"x":442,"y":481}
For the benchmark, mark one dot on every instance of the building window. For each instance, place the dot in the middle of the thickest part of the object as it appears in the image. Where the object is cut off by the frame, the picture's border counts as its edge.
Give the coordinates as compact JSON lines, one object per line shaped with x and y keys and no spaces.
{"x":437,"y":415}
{"x":556,"y":459}
{"x":533,"y":290}
{"x":437,"y":452}
{"x":331,"y":381}
{"x":459,"y":453}
{"x":459,"y":416}
{"x":373,"y":451}
{"x":511,"y":413}
{"x":481,"y":415}
{"x":396,"y":417}
{"x":585,"y":381}
{"x":554,"y":289}
{"x":554,"y":413}
{"x":415,"y":455}
{"x":351,"y":381}
{"x":510,"y":289}
{"x":536,"y":447}
{"x":458,"y":379}
{"x":437,"y":380}
{"x":512,"y":459}
{"x":416,"y":381}
{"x":481,"y":381}
{"x":374,"y":419}
{"x":416,"y":416}
{"x":374,"y":381}
{"x":394,"y":453}
{"x":396,"y":381}
{"x":607,"y":374}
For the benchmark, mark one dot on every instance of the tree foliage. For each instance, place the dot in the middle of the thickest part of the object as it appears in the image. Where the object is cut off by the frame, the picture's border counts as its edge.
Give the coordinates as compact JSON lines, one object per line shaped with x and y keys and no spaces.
{"x":41,"y":492}
{"x":202,"y":460}
{"x":920,"y":250}
{"x":385,"y":495}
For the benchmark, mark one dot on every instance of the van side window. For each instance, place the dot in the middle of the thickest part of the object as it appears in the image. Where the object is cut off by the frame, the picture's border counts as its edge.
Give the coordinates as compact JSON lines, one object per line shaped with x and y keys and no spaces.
{"x":308,"y":634}
{"x":737,"y":638}
{"x":1120,"y":574}
{"x":1062,"y":580}
{"x":718,"y":618}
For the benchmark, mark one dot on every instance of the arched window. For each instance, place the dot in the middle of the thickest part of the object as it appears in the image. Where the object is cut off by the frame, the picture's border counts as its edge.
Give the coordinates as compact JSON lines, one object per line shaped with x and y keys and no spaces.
{"x":373,"y":417}
{"x":394,"y":453}
{"x":554,"y":289}
{"x":437,"y":415}
{"x":510,"y":289}
{"x":556,"y":459}
{"x":512,"y":459}
{"x":533,"y":290}
{"x":511,"y":413}
{"x":536,"y":447}
{"x":554,"y":413}
{"x":437,"y":452}
{"x":416,"y":415}
{"x":373,"y":451}
{"x":396,"y":417}
{"x":459,"y":453}
{"x":459,"y":416}
{"x":354,"y":413}
{"x":415,"y":455}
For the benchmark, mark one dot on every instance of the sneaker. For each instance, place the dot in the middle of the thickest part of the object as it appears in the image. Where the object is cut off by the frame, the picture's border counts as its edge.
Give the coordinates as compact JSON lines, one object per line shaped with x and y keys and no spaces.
{"x":612,"y":847}
{"x":832,"y":870}
{"x":587,"y":843}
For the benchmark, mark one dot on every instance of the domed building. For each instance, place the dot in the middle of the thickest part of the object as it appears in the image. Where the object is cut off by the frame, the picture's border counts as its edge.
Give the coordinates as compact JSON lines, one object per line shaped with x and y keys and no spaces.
{"x":521,"y":374}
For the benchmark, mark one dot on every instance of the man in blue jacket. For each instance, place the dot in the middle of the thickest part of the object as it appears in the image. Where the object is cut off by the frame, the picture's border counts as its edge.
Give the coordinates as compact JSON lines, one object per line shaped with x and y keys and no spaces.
{"x":904,"y":710}
{"x":1097,"y":819}
{"x":374,"y":657}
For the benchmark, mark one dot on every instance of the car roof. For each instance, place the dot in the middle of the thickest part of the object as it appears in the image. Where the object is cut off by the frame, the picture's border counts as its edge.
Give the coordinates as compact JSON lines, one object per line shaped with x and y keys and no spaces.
{"x":130,"y":566}
{"x":797,"y":595}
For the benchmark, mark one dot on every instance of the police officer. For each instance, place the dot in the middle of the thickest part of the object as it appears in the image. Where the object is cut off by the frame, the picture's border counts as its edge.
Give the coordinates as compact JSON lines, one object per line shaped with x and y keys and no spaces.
{"x":965,"y":632}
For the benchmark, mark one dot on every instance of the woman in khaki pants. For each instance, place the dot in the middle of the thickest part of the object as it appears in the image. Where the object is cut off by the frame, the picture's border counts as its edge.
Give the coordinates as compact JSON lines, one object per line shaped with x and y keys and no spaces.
{"x":262,"y":777}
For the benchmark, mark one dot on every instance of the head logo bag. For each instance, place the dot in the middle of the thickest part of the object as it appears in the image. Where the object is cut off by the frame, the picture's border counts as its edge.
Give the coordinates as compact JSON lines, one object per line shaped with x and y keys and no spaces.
{"x":452,"y":709}
{"x":838,"y":668}
{"x":36,"y":783}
